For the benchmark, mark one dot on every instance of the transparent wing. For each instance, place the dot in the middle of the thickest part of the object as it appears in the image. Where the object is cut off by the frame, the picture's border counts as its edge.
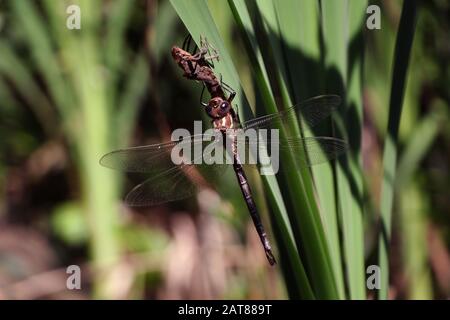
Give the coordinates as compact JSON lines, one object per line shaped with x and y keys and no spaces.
{"x":148,"y":159}
{"x":315,"y":150}
{"x":310,"y":112}
{"x":168,"y":180}
{"x":307,"y":151}
{"x":177,"y":183}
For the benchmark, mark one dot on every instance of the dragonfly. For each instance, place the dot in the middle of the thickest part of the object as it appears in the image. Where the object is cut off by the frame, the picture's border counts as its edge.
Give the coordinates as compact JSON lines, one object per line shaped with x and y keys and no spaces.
{"x":198,"y":65}
{"x":170,"y":181}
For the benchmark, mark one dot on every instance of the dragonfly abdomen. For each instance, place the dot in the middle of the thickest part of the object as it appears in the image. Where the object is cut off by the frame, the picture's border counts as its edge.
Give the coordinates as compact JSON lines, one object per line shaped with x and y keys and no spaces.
{"x":248,"y":197}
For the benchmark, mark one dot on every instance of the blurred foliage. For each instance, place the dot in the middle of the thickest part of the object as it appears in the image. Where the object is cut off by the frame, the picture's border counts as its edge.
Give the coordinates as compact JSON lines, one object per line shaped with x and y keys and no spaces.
{"x":69,"y":96}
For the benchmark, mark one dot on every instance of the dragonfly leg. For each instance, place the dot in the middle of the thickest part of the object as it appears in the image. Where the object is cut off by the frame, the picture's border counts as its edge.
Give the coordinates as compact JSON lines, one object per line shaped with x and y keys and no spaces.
{"x":211,"y":58}
{"x":201,"y":96}
{"x":192,"y":66}
{"x":187,"y":42}
{"x":231,"y":97}
{"x":236,"y":115}
{"x":211,"y":52}
{"x":228,"y":89}
{"x":199,"y":55}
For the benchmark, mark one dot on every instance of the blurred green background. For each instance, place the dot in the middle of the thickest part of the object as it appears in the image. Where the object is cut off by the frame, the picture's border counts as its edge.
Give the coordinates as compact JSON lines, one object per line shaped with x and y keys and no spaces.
{"x":69,"y":96}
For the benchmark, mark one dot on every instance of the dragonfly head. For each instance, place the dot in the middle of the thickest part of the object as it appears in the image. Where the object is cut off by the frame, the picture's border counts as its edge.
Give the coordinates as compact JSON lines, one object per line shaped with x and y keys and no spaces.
{"x":218,"y":108}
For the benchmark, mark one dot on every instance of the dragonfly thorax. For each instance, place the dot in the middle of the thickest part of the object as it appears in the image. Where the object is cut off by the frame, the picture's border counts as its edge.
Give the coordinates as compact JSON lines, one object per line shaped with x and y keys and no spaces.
{"x":224,"y":123}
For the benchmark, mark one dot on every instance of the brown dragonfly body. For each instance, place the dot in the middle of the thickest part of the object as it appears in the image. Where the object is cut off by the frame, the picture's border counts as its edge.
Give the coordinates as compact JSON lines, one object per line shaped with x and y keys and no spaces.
{"x":225,"y":120}
{"x":197,"y":67}
{"x":169,"y":182}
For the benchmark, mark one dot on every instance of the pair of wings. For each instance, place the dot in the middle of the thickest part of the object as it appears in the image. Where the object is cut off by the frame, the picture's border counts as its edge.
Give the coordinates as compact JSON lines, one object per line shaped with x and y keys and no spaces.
{"x":169,"y":182}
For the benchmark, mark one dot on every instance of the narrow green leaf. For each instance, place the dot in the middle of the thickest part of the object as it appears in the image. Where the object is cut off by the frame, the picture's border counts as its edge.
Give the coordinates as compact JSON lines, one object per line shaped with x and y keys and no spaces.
{"x":303,"y":212}
{"x":418,"y":144}
{"x":135,"y":88}
{"x":114,"y":40}
{"x":413,"y":208}
{"x":37,"y":36}
{"x":15,"y":70}
{"x":403,"y":46}
{"x":242,"y":17}
{"x":414,"y":204}
{"x":343,"y":25}
{"x":352,"y":222}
